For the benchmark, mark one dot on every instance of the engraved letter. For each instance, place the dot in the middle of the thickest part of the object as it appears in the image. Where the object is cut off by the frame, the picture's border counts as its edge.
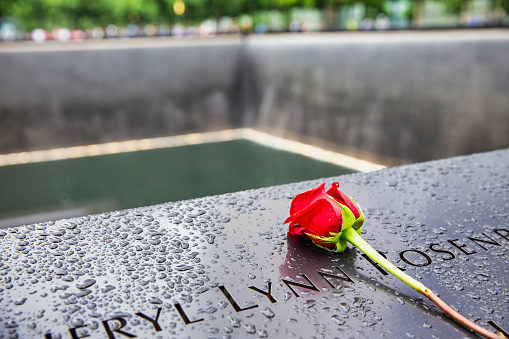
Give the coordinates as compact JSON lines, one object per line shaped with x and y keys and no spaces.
{"x":498,"y":327}
{"x":427,"y":257}
{"x":506,"y":236}
{"x":74,"y":335}
{"x":372,"y":262}
{"x":378,"y":267}
{"x":233,"y":302}
{"x":451,"y":255}
{"x":460,"y":247}
{"x":109,"y":331}
{"x":153,"y":321}
{"x":183,"y":315}
{"x":267,"y":294}
{"x":311,"y":287}
{"x":343,"y":277}
{"x":492,"y":242}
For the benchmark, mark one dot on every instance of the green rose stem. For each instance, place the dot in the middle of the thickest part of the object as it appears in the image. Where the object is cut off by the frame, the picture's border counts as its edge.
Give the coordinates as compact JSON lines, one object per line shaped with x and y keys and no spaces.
{"x":351,"y":235}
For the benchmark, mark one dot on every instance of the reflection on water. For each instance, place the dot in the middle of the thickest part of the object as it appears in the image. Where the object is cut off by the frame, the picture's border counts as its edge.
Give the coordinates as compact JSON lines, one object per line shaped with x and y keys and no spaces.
{"x":52,"y":190}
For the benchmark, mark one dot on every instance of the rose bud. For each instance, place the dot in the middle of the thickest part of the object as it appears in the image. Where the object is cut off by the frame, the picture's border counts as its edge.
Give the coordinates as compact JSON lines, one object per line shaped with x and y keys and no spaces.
{"x":322,"y":216}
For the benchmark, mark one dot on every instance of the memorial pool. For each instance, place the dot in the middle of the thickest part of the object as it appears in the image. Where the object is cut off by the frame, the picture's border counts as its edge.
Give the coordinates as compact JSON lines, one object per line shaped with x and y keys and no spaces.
{"x":64,"y":188}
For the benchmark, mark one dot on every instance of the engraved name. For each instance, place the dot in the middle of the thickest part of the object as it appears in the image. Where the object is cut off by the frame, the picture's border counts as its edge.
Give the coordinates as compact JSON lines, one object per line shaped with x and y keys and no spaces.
{"x":114,"y":328}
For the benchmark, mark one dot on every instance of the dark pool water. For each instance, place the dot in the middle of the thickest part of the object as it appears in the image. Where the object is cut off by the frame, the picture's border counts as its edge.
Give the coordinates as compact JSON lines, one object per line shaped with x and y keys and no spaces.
{"x":110,"y":182}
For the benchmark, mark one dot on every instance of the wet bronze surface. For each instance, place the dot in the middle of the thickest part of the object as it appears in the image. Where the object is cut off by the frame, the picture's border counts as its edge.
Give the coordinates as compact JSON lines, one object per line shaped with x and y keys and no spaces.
{"x":222,"y":266}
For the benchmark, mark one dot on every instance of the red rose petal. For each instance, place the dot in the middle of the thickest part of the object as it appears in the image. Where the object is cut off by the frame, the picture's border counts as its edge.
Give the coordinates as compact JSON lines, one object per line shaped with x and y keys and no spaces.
{"x":319,"y":218}
{"x":343,"y":199}
{"x":306,"y":199}
{"x":294,"y":229}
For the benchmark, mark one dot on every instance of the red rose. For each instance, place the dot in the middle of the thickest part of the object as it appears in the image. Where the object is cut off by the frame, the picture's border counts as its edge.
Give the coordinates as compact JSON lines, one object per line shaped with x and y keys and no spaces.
{"x":322,"y":216}
{"x":331,"y":219}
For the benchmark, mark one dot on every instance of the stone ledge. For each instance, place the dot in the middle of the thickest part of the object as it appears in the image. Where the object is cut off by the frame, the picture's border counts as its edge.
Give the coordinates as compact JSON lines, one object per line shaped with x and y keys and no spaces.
{"x":223,"y":265}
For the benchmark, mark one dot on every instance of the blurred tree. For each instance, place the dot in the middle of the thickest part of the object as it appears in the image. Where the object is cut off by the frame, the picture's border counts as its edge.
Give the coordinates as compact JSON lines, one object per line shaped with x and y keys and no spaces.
{"x":148,"y":11}
{"x":30,"y":13}
{"x":85,"y":14}
{"x":459,"y":8}
{"x":455,"y":6}
{"x":331,"y":8}
{"x":503,"y":3}
{"x":5,"y":8}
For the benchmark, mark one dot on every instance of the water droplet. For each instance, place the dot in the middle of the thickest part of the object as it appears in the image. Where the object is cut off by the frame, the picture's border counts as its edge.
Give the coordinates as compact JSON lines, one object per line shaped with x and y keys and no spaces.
{"x":155,"y":301}
{"x":268,"y":313}
{"x":183,"y":267}
{"x":310,"y":303}
{"x":210,"y":238}
{"x":338,"y":320}
{"x":208,"y":310}
{"x":235,"y":322}
{"x":345,"y":307}
{"x":20,"y":301}
{"x":86,"y":284}
{"x":213,"y":330}
{"x":263,"y":334}
{"x":250,"y":328}
{"x":107,"y":288}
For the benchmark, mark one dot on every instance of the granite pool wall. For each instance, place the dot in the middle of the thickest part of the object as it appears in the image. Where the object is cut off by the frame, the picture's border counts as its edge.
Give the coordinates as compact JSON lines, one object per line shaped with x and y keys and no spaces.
{"x":410,"y":96}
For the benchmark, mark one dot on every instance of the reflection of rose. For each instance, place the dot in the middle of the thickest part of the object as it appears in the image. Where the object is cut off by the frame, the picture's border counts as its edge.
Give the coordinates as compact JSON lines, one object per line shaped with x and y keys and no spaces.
{"x":322,"y":216}
{"x":303,"y":257}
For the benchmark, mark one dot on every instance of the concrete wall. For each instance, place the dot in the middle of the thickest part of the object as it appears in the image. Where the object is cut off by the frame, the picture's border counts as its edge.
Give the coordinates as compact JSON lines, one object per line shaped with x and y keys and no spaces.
{"x":78,"y":95}
{"x":412,"y":96}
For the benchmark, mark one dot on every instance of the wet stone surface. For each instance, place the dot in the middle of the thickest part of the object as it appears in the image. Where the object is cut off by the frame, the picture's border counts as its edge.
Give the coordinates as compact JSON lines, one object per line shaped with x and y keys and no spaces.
{"x":222,"y":266}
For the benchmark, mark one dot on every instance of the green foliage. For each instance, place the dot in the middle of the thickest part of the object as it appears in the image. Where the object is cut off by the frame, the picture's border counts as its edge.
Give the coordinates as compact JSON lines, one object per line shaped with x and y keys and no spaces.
{"x":84,"y":14}
{"x":504,"y":4}
{"x":454,"y":6}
